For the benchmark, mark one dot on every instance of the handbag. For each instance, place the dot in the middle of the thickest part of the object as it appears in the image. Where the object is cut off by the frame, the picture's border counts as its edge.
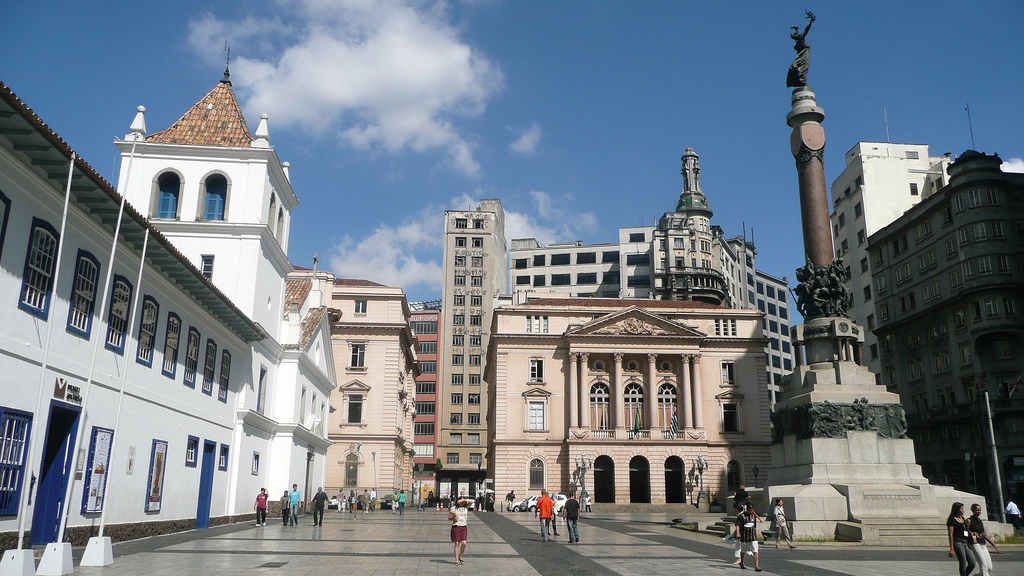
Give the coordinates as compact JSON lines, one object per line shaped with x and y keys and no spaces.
{"x":452,"y":516}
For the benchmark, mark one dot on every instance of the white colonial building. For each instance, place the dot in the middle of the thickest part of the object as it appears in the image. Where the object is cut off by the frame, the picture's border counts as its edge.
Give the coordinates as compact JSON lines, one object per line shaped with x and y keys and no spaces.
{"x":185,"y":386}
{"x":625,"y":397}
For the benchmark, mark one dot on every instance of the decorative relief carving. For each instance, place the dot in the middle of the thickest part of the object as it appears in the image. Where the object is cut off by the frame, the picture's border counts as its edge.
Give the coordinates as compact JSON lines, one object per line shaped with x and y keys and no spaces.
{"x":696,"y":435}
{"x":632,"y":326}
{"x":833,"y":420}
{"x":580,"y":433}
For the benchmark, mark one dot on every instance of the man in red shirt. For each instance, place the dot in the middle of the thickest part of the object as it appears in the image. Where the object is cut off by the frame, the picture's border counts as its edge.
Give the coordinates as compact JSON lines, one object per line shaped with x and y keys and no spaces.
{"x":545,"y":505}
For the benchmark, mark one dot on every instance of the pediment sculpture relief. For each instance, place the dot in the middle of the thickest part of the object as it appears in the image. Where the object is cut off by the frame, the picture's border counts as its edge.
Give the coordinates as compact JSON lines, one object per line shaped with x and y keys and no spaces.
{"x":633,"y":326}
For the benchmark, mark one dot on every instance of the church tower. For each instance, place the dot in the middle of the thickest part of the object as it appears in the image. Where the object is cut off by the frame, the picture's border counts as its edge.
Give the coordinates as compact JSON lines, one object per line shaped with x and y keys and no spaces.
{"x":221,"y":195}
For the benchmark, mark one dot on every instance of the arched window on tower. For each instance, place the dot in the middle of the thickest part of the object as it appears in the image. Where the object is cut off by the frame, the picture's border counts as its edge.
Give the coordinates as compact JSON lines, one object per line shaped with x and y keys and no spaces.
{"x":216,"y":197}
{"x":169,"y":185}
{"x":271,"y":213}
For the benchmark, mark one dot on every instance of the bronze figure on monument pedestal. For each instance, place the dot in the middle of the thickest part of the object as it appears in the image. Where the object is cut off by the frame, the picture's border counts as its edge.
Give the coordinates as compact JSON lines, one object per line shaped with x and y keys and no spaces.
{"x":798,"y":69}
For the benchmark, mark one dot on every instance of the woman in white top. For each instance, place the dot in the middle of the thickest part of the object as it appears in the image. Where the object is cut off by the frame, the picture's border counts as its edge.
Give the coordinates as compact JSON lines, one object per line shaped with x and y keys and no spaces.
{"x":460,"y":531}
{"x":781,"y":527}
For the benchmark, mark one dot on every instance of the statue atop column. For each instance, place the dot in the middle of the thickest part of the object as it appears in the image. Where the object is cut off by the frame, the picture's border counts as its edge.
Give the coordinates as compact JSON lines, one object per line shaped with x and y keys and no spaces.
{"x":798,"y":69}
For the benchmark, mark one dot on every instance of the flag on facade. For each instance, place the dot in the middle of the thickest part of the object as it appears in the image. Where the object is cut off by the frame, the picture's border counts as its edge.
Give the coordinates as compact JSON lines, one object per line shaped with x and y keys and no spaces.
{"x":1017,"y":387}
{"x":636,"y":423}
{"x":674,"y":425}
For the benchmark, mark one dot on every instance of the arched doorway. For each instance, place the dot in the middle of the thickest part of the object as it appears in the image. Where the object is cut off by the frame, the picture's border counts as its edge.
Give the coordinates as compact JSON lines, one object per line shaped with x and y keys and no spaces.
{"x":604,"y":479}
{"x":639,"y":480}
{"x":733,"y":476}
{"x":675,"y":492}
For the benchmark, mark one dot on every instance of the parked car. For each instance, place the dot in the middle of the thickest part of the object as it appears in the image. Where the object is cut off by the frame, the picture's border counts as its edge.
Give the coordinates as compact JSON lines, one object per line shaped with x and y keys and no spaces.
{"x":520,"y":506}
{"x":332,"y":503}
{"x":530,"y":504}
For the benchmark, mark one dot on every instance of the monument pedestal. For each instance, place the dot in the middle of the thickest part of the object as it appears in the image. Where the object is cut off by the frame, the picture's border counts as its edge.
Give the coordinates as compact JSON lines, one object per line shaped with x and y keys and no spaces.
{"x":841,"y":460}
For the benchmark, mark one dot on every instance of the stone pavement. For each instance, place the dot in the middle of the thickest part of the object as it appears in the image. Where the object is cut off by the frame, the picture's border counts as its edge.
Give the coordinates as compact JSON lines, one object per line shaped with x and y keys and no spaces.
{"x":501,"y":545}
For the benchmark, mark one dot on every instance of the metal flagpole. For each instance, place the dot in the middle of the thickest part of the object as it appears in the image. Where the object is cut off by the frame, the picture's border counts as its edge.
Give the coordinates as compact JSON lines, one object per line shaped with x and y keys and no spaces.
{"x":23,"y":512}
{"x":995,"y":456}
{"x":97,"y":546}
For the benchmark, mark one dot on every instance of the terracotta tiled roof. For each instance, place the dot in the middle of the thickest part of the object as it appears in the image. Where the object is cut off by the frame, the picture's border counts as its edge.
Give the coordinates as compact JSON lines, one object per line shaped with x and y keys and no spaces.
{"x":216,"y":120}
{"x":354,"y":282}
{"x":620,"y":303}
{"x":310,"y":322}
{"x":295,"y":292}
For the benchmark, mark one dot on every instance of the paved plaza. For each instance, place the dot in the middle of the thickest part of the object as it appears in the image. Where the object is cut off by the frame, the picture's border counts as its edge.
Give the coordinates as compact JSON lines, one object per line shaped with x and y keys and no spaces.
{"x":501,"y":545}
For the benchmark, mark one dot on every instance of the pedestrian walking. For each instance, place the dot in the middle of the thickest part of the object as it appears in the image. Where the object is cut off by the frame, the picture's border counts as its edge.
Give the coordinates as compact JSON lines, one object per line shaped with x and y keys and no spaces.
{"x":458,"y":516}
{"x":739,"y":499}
{"x":571,"y":513}
{"x":294,"y":497}
{"x":352,"y":503}
{"x":364,"y":501}
{"x":510,"y":499}
{"x":401,"y":503}
{"x":746,"y":532}
{"x":981,"y":540}
{"x":261,"y":507}
{"x":342,"y":501}
{"x":285,"y":507}
{"x":587,"y":500}
{"x":373,"y":498}
{"x":781,"y":526}
{"x":545,"y":511}
{"x":319,"y":501}
{"x":394,"y":501}
{"x":959,"y":538}
{"x":1013,"y":515}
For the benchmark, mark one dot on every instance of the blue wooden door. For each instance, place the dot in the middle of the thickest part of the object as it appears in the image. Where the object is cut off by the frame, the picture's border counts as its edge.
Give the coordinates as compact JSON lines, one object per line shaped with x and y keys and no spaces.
{"x":206,"y":484}
{"x":54,"y":470}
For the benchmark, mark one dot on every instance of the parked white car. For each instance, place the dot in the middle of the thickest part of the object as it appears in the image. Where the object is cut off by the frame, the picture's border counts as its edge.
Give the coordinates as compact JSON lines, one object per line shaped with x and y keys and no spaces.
{"x":530,"y":504}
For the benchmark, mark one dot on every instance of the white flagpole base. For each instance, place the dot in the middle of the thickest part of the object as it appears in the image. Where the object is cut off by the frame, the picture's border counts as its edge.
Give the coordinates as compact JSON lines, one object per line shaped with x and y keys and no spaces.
{"x":98,"y":552}
{"x":56,"y":560}
{"x":18,"y":562}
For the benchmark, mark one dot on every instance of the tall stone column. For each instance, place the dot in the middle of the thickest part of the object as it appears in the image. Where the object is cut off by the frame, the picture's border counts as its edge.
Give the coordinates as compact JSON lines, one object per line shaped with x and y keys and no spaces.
{"x":687,"y":410}
{"x":807,"y":143}
{"x":617,"y":394}
{"x":698,"y":394}
{"x":574,"y":409}
{"x":652,"y":390}
{"x":585,"y":389}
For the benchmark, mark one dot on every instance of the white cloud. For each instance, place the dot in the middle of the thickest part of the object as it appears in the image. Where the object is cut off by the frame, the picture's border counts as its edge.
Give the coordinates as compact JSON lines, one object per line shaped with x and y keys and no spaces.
{"x":546,"y":221}
{"x":526,"y":140}
{"x":379,"y":74}
{"x":403,"y":255}
{"x":1013,"y":165}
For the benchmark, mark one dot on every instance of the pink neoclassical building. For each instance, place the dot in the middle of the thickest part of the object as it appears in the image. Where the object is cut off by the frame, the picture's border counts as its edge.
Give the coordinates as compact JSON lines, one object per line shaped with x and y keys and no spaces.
{"x":626,"y":399}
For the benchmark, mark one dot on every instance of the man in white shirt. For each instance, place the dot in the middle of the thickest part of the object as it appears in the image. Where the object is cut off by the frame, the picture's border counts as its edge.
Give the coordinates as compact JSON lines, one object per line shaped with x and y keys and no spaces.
{"x":1013,"y":515}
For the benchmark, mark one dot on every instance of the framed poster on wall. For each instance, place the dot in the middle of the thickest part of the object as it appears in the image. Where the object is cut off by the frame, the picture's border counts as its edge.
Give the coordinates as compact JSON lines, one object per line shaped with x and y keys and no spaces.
{"x":157,"y":464}
{"x":96,"y":473}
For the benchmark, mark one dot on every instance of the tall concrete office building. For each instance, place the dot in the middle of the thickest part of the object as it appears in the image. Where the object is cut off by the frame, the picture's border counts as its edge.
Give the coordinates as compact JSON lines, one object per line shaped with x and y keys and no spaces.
{"x":425,"y":322}
{"x":683,"y":257}
{"x":474,"y":275}
{"x":881,"y":181}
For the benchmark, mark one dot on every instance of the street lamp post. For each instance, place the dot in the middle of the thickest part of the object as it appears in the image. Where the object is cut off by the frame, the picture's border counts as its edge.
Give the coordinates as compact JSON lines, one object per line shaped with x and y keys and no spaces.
{"x":755,"y":471}
{"x":373,"y":456}
{"x":701,"y":464}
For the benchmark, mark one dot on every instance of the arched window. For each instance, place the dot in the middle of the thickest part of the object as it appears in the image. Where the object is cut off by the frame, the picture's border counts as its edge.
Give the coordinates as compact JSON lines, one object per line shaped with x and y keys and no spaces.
{"x":39,"y":268}
{"x":271,"y":212}
{"x":117,"y":317}
{"x":599,"y":399}
{"x":536,"y":474}
{"x":634,"y":399}
{"x":280,"y":222}
{"x":667,"y":406}
{"x":147,"y":331}
{"x":169,"y":185}
{"x":216,"y":197}
{"x":351,"y":470}
{"x":733,"y":475}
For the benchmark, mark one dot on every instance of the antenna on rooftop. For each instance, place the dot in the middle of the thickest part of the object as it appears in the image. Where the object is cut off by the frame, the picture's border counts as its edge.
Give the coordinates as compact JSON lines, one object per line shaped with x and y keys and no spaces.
{"x":970,"y":124}
{"x":227,"y":62}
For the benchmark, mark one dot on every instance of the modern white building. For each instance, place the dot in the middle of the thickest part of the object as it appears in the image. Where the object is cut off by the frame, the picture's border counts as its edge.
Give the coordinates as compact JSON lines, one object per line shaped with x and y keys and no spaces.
{"x":683,"y":257}
{"x":126,"y":371}
{"x":880,"y":183}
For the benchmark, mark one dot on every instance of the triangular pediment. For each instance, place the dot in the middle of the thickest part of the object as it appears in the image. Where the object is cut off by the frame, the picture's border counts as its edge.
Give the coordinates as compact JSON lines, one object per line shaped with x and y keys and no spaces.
{"x":535,"y":392}
{"x":728,"y":396}
{"x":634,"y":321}
{"x":354,"y":386}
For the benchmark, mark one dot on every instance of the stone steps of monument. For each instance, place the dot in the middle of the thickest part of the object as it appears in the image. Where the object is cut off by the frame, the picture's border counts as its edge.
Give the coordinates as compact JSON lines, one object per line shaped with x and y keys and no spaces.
{"x":887,"y":531}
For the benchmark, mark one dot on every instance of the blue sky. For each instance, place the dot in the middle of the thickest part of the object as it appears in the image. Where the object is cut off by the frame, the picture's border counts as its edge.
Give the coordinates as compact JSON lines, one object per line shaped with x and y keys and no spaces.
{"x":573,"y":113}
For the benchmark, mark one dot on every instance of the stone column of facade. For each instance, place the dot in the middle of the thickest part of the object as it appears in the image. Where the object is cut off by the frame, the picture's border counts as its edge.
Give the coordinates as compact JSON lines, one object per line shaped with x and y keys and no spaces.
{"x":585,"y":389}
{"x":617,"y":395}
{"x":574,"y":383}
{"x":698,"y":395}
{"x":652,"y":391}
{"x":687,"y":411}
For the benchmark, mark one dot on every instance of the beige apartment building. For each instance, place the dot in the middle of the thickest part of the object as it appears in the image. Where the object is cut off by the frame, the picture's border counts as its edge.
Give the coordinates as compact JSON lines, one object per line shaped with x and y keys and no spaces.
{"x":372,"y":409}
{"x":474,"y":275}
{"x":625,"y":398}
